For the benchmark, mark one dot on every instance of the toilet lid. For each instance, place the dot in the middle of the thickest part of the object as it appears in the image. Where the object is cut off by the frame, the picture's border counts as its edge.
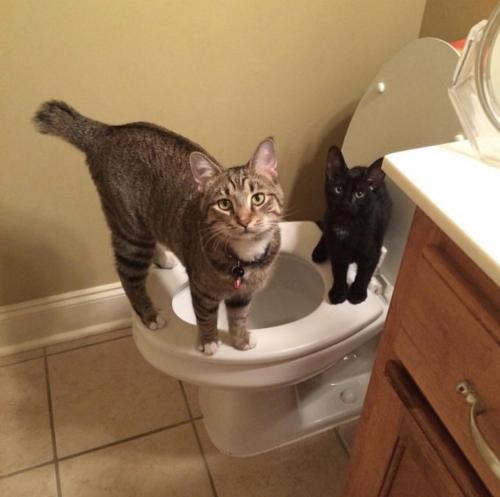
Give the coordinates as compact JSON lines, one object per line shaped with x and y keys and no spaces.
{"x":315,"y":324}
{"x":405,"y":106}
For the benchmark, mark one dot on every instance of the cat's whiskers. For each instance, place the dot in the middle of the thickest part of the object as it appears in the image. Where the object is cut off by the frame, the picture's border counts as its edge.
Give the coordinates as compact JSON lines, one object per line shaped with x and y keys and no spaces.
{"x":289,"y":212}
{"x":217,"y":238}
{"x":209,"y":236}
{"x":214,"y":237}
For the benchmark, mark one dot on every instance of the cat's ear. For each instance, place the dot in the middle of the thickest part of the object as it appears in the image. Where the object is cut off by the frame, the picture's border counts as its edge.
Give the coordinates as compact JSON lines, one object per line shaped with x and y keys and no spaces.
{"x":375,"y":176}
{"x":203,"y":169}
{"x":264,"y":159}
{"x":335,"y":163}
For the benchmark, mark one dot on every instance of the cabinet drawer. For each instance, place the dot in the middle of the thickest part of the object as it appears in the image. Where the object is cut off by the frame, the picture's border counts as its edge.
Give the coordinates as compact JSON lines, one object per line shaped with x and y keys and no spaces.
{"x":448,"y":332}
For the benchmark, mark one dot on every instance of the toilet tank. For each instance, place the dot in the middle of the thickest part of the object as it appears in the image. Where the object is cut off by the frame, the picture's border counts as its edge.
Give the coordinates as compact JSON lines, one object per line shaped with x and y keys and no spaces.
{"x":405,"y":106}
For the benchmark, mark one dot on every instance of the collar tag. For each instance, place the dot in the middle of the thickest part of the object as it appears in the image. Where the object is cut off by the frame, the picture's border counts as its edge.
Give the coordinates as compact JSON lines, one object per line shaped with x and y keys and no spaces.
{"x":238,"y":272}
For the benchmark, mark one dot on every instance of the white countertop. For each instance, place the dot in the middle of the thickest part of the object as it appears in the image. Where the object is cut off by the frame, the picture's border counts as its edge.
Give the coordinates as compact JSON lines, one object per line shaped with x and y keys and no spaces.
{"x":459,"y":192}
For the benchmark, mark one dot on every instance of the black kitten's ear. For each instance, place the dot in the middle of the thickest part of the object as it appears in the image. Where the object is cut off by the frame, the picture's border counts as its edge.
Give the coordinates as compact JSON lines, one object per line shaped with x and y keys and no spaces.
{"x":375,"y":174}
{"x":335,"y":163}
{"x":203,"y":169}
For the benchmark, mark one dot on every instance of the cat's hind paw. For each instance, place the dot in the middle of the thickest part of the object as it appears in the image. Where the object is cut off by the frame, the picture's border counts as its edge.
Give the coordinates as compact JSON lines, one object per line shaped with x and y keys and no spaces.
{"x":164,"y":259}
{"x":157,"y":323}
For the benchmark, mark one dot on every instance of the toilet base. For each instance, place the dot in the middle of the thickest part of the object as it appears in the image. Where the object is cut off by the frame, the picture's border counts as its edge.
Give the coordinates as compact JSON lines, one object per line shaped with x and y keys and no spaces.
{"x":246,"y":423}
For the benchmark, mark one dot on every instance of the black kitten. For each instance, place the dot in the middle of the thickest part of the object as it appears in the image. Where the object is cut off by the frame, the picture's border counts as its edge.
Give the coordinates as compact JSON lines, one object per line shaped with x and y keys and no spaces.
{"x":357,"y":214}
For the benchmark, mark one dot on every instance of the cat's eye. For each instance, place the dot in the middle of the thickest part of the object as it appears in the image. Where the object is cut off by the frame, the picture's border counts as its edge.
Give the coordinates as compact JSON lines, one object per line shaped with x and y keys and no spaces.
{"x":338,"y":189}
{"x":359,"y":194}
{"x":224,"y":204}
{"x":258,"y":198}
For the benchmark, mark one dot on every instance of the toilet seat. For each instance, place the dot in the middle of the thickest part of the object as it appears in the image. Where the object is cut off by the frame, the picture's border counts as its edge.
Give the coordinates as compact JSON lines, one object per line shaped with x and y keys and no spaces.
{"x":324,"y":327}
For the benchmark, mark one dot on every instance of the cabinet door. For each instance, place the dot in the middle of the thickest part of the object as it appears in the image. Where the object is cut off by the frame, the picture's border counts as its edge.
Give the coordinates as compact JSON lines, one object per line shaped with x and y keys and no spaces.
{"x":402,"y":449}
{"x":415,"y":469}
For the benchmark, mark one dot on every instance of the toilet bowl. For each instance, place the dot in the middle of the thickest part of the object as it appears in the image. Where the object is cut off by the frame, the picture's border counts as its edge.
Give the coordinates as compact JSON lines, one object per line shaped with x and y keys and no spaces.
{"x":311,"y":366}
{"x":299,"y":336}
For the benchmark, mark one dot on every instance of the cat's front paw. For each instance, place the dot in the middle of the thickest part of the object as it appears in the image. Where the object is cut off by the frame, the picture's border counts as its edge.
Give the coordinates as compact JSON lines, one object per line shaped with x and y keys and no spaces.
{"x":209,"y":348}
{"x":244,"y":342}
{"x":356,"y":295}
{"x":337,"y":295}
{"x":319,"y":253}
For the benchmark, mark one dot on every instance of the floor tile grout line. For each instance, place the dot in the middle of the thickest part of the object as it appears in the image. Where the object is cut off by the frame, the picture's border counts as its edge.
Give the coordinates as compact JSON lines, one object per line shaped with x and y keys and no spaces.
{"x":198,"y":440}
{"x":186,"y":401}
{"x":28,"y":468}
{"x":88,"y":345}
{"x":123,"y":440}
{"x":52,"y":425}
{"x":202,"y":452}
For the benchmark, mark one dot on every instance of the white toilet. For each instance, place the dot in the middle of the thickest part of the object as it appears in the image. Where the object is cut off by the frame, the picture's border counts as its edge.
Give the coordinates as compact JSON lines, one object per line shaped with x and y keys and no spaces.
{"x":312,"y":362}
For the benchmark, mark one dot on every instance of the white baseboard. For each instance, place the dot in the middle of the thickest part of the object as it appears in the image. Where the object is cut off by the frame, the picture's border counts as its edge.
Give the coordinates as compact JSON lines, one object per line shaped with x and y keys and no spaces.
{"x":68,"y":316}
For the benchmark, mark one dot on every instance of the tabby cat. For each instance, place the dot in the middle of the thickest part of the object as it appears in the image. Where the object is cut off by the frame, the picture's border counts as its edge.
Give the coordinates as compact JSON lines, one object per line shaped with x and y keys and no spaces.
{"x":357,"y":214}
{"x":157,"y":187}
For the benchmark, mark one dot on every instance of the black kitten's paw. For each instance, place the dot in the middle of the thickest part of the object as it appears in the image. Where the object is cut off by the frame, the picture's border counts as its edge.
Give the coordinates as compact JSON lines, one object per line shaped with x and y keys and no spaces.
{"x":319,"y":253}
{"x":337,"y":295}
{"x":356,"y":295}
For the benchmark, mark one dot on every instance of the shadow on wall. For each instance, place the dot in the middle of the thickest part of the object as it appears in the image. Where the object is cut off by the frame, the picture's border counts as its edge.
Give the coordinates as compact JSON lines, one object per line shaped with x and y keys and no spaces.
{"x":31,"y":266}
{"x":306,"y":199}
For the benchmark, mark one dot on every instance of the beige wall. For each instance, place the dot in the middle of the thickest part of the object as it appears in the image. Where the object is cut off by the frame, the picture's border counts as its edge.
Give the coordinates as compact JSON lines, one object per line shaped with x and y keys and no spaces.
{"x":451,"y":20}
{"x":224,"y":73}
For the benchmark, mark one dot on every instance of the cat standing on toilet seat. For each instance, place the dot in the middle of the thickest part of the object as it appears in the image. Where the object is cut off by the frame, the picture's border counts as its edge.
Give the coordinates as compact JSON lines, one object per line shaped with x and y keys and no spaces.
{"x":358,"y":210}
{"x":157,"y":187}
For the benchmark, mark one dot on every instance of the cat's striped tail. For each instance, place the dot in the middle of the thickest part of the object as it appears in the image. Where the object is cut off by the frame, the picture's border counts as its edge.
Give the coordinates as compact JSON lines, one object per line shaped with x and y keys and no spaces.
{"x":59,"y":119}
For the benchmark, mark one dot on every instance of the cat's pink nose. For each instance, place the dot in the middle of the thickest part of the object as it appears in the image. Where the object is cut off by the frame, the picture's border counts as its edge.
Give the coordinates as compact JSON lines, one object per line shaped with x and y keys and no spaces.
{"x":243,"y":219}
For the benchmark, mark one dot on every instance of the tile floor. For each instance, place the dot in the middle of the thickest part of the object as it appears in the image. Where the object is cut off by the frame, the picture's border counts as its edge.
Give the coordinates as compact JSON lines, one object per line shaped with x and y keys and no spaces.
{"x":91,"y":418}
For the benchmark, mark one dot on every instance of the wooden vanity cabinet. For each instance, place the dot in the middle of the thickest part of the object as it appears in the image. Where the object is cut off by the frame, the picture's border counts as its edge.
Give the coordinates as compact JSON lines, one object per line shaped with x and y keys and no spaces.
{"x":443,"y":327}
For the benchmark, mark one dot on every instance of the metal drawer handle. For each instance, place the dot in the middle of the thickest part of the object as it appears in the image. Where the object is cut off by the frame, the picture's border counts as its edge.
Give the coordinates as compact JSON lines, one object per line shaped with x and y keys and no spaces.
{"x":477,"y":407}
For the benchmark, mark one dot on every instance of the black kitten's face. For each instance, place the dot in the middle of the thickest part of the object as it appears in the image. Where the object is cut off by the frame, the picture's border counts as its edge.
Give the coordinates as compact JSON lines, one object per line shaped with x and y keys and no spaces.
{"x":351,"y":190}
